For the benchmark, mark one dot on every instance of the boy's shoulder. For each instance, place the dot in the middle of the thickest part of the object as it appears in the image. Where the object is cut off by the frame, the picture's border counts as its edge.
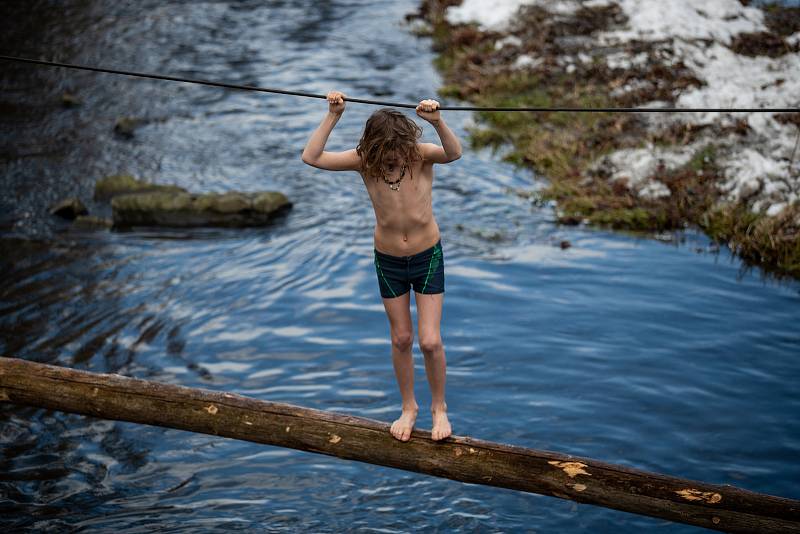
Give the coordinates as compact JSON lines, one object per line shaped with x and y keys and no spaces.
{"x":433,"y":153}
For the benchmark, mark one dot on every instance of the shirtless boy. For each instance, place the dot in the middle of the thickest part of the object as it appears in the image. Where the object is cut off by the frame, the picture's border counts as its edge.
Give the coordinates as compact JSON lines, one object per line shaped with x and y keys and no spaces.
{"x":398,"y":173}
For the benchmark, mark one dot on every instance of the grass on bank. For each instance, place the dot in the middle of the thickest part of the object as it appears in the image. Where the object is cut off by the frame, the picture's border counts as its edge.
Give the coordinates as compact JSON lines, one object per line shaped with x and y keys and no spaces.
{"x":563,"y":146}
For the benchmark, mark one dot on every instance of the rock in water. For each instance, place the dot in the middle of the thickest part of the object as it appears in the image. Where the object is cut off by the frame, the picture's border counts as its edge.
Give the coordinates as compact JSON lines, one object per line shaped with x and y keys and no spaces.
{"x":233,"y":209}
{"x":69,"y":100}
{"x":69,"y":208}
{"x":125,"y":126}
{"x":121,"y":184}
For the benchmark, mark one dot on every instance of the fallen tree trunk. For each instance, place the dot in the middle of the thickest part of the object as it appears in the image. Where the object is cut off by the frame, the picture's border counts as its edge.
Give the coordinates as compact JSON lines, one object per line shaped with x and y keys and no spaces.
{"x":719,"y":507}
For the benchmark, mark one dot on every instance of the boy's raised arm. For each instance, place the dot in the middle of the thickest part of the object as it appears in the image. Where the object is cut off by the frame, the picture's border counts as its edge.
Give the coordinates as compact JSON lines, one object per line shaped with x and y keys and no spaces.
{"x":451,"y":147}
{"x":314,"y":153}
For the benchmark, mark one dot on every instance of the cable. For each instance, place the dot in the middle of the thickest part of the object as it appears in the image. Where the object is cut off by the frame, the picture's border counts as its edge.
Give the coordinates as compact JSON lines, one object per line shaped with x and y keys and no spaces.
{"x":395,"y":104}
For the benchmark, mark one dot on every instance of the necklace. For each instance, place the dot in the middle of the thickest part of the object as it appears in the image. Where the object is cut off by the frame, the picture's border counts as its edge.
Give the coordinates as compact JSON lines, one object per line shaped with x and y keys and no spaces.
{"x":395,"y":185}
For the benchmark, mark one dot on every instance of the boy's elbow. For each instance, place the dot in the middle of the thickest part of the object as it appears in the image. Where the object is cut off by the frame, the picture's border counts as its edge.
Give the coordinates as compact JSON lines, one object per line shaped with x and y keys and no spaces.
{"x":455,"y":156}
{"x":307,"y":159}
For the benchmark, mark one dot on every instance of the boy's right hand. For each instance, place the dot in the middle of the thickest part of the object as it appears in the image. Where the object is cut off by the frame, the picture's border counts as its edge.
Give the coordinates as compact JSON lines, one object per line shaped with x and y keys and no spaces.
{"x":336,"y":102}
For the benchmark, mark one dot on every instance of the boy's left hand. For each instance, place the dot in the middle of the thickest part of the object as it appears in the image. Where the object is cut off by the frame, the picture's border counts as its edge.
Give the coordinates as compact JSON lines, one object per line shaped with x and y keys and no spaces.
{"x":428,"y":110}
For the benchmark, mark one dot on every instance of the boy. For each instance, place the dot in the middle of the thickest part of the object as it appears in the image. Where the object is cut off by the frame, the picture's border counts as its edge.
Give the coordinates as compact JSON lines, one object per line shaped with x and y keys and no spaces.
{"x":398,"y":174}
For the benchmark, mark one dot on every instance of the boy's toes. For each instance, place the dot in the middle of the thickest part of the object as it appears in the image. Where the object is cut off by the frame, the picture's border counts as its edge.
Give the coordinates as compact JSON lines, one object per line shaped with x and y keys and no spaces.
{"x":400,"y":431}
{"x":440,"y":432}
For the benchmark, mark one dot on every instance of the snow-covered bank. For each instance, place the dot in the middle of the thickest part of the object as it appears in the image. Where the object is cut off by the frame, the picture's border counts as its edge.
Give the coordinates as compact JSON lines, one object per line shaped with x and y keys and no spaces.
{"x":763,"y":163}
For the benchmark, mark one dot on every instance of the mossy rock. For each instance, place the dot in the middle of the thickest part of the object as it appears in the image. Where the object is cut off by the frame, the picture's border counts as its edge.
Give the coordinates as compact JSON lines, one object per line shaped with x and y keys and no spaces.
{"x":269,"y":201}
{"x":232,"y":209}
{"x":69,"y":100}
{"x":126,"y":126}
{"x":223,"y":203}
{"x":68,"y":208}
{"x":122,"y":184}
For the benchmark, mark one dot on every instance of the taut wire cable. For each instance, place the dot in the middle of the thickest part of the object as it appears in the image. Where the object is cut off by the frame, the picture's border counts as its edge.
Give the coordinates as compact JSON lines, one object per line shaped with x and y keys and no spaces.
{"x":398,"y":104}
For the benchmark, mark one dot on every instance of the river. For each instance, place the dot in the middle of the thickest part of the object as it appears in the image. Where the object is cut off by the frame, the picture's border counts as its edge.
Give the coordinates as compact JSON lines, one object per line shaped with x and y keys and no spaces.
{"x":660,"y":354}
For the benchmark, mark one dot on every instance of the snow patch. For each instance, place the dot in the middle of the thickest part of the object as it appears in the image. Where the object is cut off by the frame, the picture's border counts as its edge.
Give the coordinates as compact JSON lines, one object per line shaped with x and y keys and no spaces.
{"x":637,"y":165}
{"x":496,"y":14}
{"x":760,"y":161}
{"x":510,"y":40}
{"x":654,"y":20}
{"x":527,"y":61}
{"x":490,"y":14}
{"x":697,"y":33}
{"x":623,"y":60}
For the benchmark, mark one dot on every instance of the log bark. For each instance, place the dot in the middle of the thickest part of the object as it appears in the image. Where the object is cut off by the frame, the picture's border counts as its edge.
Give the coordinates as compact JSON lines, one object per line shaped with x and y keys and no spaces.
{"x":108,"y":396}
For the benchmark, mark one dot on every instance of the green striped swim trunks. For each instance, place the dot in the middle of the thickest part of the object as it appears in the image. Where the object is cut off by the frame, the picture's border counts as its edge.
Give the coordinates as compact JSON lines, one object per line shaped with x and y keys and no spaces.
{"x":423,"y":271}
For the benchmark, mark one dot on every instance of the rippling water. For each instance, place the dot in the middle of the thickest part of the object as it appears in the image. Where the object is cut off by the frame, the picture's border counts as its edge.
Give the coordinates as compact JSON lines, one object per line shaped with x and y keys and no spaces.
{"x":664,"y":356}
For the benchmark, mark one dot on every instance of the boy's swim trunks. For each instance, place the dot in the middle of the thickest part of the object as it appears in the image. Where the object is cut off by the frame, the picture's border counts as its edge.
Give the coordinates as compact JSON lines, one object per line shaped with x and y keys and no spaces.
{"x":424,"y":271}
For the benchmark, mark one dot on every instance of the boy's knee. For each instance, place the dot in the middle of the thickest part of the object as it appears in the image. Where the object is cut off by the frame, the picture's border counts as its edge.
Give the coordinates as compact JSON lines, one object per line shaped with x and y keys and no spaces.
{"x":402,"y":340}
{"x":430,"y":344}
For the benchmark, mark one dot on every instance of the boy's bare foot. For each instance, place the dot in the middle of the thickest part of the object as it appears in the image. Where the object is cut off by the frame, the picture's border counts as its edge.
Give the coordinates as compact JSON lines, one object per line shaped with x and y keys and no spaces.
{"x":401,"y":428}
{"x":441,"y":425}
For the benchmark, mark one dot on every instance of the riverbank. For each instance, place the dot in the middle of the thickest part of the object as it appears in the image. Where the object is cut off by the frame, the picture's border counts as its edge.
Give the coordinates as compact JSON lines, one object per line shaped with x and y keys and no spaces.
{"x":734,"y":175}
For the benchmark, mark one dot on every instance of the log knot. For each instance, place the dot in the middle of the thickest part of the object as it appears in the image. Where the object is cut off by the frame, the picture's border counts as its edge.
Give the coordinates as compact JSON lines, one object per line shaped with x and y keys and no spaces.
{"x":458,"y":451}
{"x":211,"y":409}
{"x":691,"y":494}
{"x":571,"y":468}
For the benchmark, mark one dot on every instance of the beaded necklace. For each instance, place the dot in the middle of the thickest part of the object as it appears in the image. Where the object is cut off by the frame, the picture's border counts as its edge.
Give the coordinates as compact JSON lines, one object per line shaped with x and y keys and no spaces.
{"x":395,"y":185}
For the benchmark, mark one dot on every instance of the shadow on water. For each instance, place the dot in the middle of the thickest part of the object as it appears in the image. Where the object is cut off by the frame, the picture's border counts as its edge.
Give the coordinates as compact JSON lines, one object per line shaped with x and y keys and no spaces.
{"x":617,"y":347}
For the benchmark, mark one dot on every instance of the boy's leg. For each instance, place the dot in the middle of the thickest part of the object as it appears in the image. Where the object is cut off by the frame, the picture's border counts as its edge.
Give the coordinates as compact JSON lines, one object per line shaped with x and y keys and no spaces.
{"x":429,"y":317}
{"x":399,"y":312}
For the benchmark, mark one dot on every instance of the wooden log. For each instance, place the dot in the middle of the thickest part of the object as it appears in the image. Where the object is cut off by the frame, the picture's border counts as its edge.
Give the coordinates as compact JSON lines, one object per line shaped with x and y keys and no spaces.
{"x":109,"y":396}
